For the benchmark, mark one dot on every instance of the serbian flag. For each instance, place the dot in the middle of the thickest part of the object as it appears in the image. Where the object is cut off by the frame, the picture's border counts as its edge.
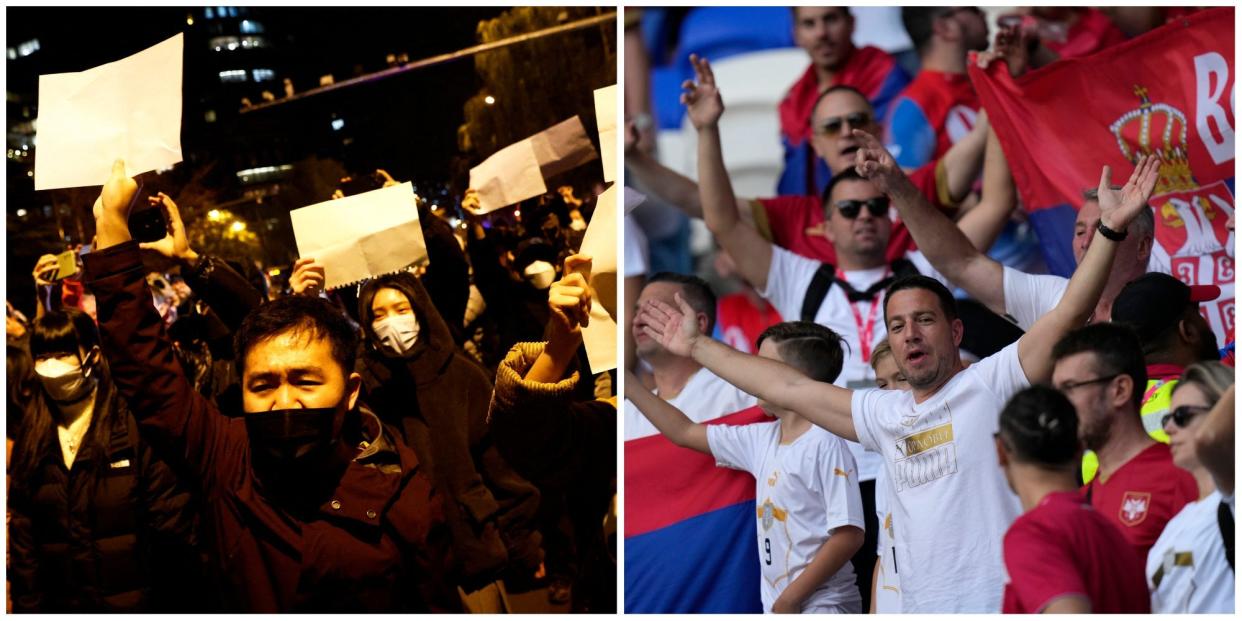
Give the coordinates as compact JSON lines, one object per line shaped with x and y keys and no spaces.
{"x":689,"y":529}
{"x":1167,"y":92}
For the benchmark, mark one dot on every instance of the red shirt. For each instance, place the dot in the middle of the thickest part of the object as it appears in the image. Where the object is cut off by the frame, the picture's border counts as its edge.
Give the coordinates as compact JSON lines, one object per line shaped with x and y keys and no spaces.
{"x":740,"y":323}
{"x":1143,"y":495}
{"x":935,"y":111}
{"x":1063,"y":547}
{"x":791,"y":222}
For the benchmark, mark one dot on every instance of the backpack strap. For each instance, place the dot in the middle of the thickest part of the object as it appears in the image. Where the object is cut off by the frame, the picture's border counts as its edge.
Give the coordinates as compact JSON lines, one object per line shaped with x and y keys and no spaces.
{"x":821,"y":283}
{"x":1224,"y":520}
{"x":903,"y":267}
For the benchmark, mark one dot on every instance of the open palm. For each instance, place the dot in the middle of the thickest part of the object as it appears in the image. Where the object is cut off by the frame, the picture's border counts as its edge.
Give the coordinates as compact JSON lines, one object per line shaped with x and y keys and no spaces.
{"x":675,"y":329}
{"x":1118,"y":207}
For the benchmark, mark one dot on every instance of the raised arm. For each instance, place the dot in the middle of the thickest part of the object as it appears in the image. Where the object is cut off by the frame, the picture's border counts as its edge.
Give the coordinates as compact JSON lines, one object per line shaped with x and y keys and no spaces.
{"x":569,"y":300}
{"x":183,"y":427}
{"x":984,"y":223}
{"x":672,"y":422}
{"x":1213,"y":441}
{"x":704,"y":107}
{"x":964,"y":159}
{"x":228,"y":293}
{"x":945,"y":245}
{"x":775,"y":382}
{"x":1117,"y":209}
{"x":648,"y":174}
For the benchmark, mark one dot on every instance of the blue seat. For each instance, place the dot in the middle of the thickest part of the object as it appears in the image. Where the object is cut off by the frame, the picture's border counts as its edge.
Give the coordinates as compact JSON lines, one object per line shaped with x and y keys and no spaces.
{"x":715,"y":33}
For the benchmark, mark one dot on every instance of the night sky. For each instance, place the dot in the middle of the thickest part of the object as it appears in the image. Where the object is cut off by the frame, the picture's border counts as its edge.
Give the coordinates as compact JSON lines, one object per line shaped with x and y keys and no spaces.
{"x":420,"y":108}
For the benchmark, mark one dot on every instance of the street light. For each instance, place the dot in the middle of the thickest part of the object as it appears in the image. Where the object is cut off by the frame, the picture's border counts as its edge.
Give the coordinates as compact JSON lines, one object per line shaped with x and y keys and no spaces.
{"x":238,"y":226}
{"x":214,"y":215}
{"x":489,"y":100}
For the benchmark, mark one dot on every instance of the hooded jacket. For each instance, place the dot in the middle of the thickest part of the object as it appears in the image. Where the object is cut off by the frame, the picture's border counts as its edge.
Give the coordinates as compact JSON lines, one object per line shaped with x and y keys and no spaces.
{"x":439,"y":399}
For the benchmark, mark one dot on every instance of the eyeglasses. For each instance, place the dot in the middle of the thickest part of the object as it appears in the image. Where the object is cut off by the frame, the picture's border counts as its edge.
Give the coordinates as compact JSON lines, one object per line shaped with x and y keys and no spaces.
{"x":1182,"y":415}
{"x":849,"y":209}
{"x":833,"y":125}
{"x":1068,"y":386}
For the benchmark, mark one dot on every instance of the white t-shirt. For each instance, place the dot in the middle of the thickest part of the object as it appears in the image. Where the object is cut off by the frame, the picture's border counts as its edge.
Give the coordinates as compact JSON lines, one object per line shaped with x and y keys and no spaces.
{"x":790,"y":275}
{"x":1030,"y":296}
{"x":888,"y":586}
{"x":1189,"y":561}
{"x":951,"y":503}
{"x":803,"y":490}
{"x":635,"y":248}
{"x":705,"y":397}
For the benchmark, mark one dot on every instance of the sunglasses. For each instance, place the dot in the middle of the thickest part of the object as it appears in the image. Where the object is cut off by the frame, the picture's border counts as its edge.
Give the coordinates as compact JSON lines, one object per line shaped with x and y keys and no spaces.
{"x":832,"y":126}
{"x":1182,"y":415}
{"x":849,"y":209}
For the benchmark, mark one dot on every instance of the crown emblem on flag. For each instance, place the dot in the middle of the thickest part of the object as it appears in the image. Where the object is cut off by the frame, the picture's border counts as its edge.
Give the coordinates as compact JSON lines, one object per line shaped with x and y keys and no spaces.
{"x":1156,"y":129}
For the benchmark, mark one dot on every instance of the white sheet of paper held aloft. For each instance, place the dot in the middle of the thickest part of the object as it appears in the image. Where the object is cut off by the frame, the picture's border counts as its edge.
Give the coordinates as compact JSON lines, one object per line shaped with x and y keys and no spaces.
{"x":600,"y":243}
{"x":517,"y":172}
{"x":128,"y":109}
{"x":362,"y":236}
{"x":606,"y":121}
{"x":509,"y":176}
{"x":562,"y":147}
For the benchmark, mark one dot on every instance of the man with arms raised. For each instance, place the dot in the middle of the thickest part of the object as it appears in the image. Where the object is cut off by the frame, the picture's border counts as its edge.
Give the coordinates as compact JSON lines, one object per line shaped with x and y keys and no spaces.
{"x":952,"y":502}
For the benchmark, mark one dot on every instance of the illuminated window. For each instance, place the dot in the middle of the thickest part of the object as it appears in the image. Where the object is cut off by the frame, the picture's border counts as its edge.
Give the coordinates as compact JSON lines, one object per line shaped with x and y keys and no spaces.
{"x":338,"y":124}
{"x":251,"y":27}
{"x":263,"y":75}
{"x":233,"y":75}
{"x":209,"y":13}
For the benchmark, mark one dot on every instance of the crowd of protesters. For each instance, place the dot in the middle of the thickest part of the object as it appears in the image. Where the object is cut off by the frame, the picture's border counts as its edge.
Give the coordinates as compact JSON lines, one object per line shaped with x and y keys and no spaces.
{"x":184,"y":436}
{"x":1034,"y":443}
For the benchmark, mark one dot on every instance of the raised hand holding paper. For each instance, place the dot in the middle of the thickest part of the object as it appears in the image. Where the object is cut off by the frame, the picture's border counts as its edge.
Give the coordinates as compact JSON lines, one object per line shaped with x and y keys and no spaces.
{"x":362,"y":236}
{"x":128,"y":109}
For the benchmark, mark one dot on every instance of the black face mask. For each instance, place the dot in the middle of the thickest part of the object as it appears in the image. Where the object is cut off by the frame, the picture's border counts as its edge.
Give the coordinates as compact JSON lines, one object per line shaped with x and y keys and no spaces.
{"x":290,"y":449}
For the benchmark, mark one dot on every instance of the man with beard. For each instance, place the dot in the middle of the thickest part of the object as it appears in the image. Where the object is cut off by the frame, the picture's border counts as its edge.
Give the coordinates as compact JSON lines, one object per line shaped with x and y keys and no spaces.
{"x":1100,"y":369}
{"x":939,"y":106}
{"x":312,"y":505}
{"x":951,"y":503}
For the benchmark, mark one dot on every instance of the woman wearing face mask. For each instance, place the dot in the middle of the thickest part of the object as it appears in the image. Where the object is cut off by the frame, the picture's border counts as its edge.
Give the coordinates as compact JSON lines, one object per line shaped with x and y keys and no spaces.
{"x":1186,"y":569}
{"x":99,"y":524}
{"x":416,"y":378}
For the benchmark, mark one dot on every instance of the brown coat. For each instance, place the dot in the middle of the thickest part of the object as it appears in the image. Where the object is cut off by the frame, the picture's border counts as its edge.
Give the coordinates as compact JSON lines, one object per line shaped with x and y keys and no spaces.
{"x":378,"y":545}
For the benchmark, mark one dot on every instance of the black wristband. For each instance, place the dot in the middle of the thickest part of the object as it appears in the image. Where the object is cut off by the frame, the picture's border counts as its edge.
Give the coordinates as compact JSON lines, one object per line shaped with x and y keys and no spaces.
{"x":1109,"y":233}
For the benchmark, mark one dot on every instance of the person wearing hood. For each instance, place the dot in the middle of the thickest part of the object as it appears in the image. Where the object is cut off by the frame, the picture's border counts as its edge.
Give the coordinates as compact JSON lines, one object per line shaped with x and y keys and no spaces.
{"x":312,"y":503}
{"x":417,"y":379}
{"x":98,"y":522}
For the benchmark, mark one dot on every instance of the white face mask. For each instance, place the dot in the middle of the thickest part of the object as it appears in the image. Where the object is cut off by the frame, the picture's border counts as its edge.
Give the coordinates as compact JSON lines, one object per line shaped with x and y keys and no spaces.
{"x":64,"y":382}
{"x":398,"y":333}
{"x":540,"y":274}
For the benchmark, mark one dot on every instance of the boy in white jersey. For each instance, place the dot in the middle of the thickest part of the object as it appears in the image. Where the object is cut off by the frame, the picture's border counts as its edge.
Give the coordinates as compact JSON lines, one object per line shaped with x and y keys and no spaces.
{"x":808,"y":508}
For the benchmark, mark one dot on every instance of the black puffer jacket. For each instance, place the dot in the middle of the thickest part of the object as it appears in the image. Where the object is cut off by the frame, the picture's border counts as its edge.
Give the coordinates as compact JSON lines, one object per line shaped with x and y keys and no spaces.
{"x":115,"y":533}
{"x":439,"y":398}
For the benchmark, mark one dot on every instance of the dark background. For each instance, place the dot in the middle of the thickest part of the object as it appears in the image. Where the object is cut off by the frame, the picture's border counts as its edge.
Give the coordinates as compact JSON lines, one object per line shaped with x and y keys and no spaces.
{"x":263,"y":163}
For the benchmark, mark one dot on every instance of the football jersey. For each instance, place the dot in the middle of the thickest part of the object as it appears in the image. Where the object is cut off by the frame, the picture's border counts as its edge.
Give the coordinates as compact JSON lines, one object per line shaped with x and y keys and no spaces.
{"x":1064,"y":547}
{"x":936,"y":110}
{"x":1143,"y":495}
